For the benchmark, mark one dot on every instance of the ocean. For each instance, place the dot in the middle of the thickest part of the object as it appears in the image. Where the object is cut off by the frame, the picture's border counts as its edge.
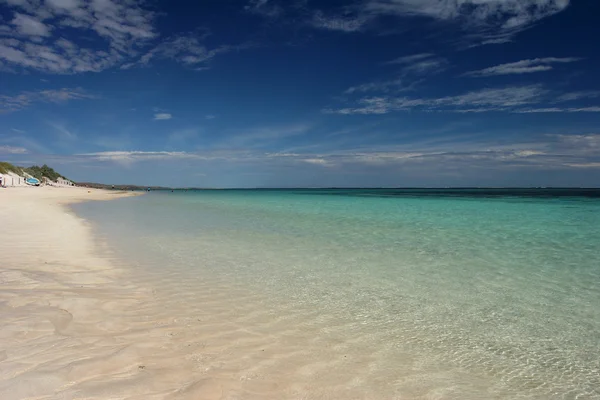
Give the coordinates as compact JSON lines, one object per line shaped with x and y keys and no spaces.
{"x":375,"y":294}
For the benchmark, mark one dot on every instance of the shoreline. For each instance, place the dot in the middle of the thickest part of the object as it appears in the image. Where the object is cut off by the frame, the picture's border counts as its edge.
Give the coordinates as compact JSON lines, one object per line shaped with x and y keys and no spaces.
{"x":73,"y":323}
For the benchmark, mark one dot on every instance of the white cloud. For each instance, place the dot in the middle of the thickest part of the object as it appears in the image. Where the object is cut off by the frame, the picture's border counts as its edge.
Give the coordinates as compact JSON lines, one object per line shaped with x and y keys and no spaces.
{"x":545,"y":151}
{"x":162,"y":116}
{"x":420,"y":64}
{"x":129,"y":157}
{"x":411,"y":66}
{"x":515,"y":99}
{"x":12,"y":150}
{"x":318,"y":161}
{"x":18,"y":102}
{"x":430,"y":66}
{"x":585,"y":165}
{"x":523,"y":66}
{"x":338,"y":23}
{"x":483,"y":21}
{"x":64,"y":4}
{"x":265,"y":8}
{"x":558,"y":110}
{"x":106,"y":34}
{"x":411,"y":59}
{"x":504,"y":97}
{"x":187,"y":50}
{"x":573,"y":96}
{"x":120,"y":27}
{"x":585,"y":109}
{"x":494,"y":21}
{"x":480,"y":100}
{"x":28,"y":25}
{"x":586,"y":142}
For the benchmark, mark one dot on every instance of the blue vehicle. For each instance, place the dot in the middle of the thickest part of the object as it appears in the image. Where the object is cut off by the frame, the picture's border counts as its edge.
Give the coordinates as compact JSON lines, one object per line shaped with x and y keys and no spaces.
{"x":32,"y":181}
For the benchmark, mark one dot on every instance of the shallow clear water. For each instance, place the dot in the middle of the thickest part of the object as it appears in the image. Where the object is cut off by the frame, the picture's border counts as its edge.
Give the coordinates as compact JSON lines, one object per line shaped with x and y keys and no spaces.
{"x":455,"y":294}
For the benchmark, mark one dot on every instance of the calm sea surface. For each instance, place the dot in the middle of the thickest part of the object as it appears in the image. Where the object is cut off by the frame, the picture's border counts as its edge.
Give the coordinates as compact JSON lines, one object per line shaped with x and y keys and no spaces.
{"x":465,"y":294}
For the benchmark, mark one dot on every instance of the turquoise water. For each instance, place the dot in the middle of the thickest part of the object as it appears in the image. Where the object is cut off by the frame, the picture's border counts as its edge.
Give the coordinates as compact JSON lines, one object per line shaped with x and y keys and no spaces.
{"x":448,"y":294}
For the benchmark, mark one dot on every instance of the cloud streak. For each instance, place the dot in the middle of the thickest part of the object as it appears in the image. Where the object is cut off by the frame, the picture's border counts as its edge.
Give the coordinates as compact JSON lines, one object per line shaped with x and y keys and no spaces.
{"x":562,"y":151}
{"x":337,"y":23}
{"x":515,"y":99}
{"x":480,"y":100}
{"x":114,"y":34}
{"x":25,"y":99}
{"x":12,"y":150}
{"x":491,"y":21}
{"x":522,"y":67}
{"x":162,"y":116}
{"x":420,"y":64}
{"x":265,"y":8}
{"x":483,"y":21}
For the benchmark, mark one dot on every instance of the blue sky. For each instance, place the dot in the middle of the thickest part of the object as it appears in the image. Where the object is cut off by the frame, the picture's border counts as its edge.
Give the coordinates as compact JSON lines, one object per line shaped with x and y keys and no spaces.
{"x":303,"y":93}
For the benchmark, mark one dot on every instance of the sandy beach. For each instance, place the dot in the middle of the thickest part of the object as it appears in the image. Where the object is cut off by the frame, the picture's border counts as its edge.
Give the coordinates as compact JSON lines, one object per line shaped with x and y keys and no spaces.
{"x":73,"y":324}
{"x":79,"y":323}
{"x":122,"y":306}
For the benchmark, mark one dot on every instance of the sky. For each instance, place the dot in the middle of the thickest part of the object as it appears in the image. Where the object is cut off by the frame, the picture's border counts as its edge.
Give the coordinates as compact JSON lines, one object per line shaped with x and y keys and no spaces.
{"x":303,"y":93}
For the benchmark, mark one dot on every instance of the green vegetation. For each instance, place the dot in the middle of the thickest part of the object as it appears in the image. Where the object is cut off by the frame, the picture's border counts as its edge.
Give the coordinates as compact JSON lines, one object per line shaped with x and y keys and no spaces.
{"x":43,"y":172}
{"x":37,"y":172}
{"x":5,"y":168}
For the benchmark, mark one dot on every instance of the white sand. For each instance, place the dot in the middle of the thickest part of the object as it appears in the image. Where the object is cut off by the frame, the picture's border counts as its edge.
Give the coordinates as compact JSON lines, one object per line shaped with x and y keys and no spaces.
{"x":71,"y":325}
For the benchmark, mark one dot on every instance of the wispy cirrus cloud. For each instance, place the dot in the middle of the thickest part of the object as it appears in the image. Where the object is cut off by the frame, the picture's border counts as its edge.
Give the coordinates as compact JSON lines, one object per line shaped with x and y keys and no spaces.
{"x":482,"y":21}
{"x":265,"y":8}
{"x":4,"y":149}
{"x":523,"y":66}
{"x":113,"y":34}
{"x":514,"y":99}
{"x":490,"y":21}
{"x":573,"y":96}
{"x":411,"y":58}
{"x":162,"y":116}
{"x":185,"y":49}
{"x":483,"y":100}
{"x":420,"y":64}
{"x":412,"y":72}
{"x":559,"y":110}
{"x":556,"y":151}
{"x":394,"y":85}
{"x":24,"y":99}
{"x":130,"y":157}
{"x":338,"y":22}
